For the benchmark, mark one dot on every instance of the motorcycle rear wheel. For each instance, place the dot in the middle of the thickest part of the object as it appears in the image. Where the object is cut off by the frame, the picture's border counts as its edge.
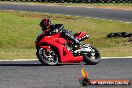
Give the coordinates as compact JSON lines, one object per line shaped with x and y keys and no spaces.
{"x":92,"y":58}
{"x":47,"y":58}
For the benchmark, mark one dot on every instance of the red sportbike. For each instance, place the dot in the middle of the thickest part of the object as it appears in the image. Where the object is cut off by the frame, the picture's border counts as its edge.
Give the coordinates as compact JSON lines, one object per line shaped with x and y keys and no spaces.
{"x":55,"y":49}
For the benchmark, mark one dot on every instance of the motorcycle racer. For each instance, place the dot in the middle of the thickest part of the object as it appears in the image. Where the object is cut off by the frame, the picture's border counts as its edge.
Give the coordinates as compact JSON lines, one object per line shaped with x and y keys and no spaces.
{"x":58,"y":45}
{"x":47,"y":27}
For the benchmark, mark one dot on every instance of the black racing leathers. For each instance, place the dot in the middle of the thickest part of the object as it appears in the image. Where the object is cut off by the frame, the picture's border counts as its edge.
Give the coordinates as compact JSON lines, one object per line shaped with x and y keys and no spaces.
{"x":70,"y":36}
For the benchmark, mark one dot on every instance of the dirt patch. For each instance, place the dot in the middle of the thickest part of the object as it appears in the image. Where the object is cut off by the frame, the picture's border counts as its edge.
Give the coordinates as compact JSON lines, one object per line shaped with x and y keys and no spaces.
{"x":90,"y":6}
{"x":130,"y":39}
{"x":115,"y":7}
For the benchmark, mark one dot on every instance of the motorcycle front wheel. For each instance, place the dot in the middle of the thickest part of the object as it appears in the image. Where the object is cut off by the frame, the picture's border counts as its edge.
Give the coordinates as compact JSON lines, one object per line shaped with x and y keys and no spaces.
{"x":92,"y":57}
{"x":49,"y":57}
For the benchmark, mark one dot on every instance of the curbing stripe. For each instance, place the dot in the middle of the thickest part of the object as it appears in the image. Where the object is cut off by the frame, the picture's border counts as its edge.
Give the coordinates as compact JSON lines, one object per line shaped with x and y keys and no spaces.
{"x":127,"y":22}
{"x":116,"y":57}
{"x":63,"y":6}
{"x":37,"y":59}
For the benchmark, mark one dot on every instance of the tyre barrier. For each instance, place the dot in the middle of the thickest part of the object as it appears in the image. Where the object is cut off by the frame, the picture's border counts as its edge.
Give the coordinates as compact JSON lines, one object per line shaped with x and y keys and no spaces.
{"x":129,"y":35}
{"x":75,"y":1}
{"x":130,"y":39}
{"x":119,"y":34}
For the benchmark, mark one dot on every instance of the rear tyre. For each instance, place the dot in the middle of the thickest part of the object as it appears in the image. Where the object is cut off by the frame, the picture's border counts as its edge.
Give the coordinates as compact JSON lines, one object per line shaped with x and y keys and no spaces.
{"x":93,"y":57}
{"x":49,"y":57}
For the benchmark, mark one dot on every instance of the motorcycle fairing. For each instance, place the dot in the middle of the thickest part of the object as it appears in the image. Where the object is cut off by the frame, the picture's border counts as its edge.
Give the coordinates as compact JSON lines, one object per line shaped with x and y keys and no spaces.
{"x":65,"y":55}
{"x":80,"y":35}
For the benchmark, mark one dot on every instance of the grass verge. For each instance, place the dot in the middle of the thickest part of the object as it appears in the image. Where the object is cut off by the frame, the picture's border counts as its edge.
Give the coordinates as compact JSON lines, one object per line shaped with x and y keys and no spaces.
{"x":19,"y":30}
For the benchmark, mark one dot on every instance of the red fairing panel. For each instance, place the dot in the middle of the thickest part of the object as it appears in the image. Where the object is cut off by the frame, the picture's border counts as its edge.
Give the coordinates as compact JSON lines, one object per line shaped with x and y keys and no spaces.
{"x":65,"y":55}
{"x":69,"y":58}
{"x":80,"y":35}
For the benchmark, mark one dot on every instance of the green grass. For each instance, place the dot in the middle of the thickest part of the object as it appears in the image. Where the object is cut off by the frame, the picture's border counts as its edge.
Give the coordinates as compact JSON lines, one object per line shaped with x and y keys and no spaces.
{"x":14,"y":53}
{"x":19,"y":30}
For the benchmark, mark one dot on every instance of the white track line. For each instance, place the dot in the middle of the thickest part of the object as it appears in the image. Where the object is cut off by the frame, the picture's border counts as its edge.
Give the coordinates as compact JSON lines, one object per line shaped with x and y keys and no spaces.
{"x":37,"y":59}
{"x":62,"y":5}
{"x":116,"y":57}
{"x":20,"y":60}
{"x":127,"y":22}
{"x":76,"y":16}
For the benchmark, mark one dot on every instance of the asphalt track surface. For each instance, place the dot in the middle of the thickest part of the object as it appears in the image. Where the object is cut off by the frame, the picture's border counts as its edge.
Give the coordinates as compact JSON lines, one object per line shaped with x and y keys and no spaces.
{"x":31,"y":74}
{"x":119,"y":15}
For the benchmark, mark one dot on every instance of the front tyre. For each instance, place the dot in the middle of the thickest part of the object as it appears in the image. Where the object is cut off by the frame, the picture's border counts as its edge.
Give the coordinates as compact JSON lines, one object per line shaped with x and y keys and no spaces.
{"x":49,"y":57}
{"x":92,"y":57}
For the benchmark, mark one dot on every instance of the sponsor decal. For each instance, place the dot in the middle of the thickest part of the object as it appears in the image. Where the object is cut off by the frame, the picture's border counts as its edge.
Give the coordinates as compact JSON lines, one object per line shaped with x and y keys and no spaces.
{"x":84,"y":80}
